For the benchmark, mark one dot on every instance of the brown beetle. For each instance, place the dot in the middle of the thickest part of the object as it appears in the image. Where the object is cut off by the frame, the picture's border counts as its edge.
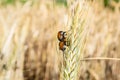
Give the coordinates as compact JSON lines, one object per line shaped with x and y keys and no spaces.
{"x":62,"y":46}
{"x":62,"y":36}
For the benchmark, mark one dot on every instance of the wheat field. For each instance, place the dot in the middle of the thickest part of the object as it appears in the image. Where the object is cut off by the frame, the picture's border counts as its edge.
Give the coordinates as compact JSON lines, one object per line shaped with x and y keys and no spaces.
{"x":29,"y":45}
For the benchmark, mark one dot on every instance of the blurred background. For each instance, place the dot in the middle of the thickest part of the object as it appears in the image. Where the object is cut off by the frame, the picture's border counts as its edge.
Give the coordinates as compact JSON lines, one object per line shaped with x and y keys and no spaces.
{"x":28,"y":39}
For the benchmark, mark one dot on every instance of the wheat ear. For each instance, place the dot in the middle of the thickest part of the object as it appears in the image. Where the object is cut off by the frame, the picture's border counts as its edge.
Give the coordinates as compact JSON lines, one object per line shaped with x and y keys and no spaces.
{"x":77,"y":37}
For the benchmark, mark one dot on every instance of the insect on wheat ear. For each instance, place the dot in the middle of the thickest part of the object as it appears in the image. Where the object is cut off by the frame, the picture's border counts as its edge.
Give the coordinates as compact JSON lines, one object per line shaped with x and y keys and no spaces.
{"x":62,"y":46}
{"x":60,"y":36}
{"x":63,"y":41}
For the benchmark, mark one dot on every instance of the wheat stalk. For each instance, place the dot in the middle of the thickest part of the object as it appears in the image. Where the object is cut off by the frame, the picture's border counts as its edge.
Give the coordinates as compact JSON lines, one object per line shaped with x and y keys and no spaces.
{"x":77,"y":37}
{"x":100,"y":58}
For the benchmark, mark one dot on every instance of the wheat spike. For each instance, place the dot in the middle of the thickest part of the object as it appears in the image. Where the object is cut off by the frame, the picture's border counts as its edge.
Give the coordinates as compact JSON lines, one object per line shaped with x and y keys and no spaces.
{"x":77,"y":37}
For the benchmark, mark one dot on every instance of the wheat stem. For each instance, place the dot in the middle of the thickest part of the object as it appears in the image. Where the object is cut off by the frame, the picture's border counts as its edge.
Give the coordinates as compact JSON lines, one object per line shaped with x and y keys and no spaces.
{"x":100,"y":58}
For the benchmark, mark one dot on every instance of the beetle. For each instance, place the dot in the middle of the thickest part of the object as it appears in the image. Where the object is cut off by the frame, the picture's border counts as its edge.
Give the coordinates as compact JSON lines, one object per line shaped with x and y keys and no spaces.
{"x":62,"y":35}
{"x":62,"y":46}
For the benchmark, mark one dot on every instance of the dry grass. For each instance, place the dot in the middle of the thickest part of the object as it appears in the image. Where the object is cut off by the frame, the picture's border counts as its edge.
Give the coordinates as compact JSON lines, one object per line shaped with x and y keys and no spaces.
{"x":28,"y":41}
